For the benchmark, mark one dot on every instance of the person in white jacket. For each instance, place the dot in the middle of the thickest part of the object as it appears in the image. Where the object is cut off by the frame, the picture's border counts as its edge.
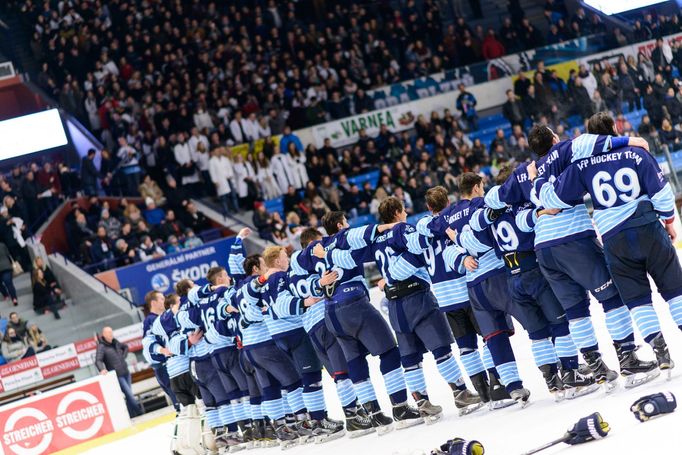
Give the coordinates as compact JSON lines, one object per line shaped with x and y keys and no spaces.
{"x":251,"y":127}
{"x":243,"y":171}
{"x":283,"y":171}
{"x":265,"y":177}
{"x":264,"y":129}
{"x":183,"y":156}
{"x":237,"y":129}
{"x":298,"y":161}
{"x":220,"y":170}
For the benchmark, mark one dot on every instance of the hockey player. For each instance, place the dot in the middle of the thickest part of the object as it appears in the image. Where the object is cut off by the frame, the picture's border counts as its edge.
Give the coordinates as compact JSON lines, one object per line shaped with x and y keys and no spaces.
{"x":214,"y":317}
{"x":303,"y":284}
{"x":359,"y":327}
{"x":215,"y":397}
{"x":450,"y":288}
{"x":567,"y":251}
{"x":286,"y":328}
{"x":631,"y":197}
{"x":153,"y":346}
{"x":486,"y":282}
{"x":187,"y":434}
{"x":413,"y":311}
{"x":274,"y":369}
{"x":534,"y":304}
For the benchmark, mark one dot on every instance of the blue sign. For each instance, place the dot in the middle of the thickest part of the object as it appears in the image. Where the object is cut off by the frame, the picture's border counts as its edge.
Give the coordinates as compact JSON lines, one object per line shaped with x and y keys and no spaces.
{"x":163,"y":274}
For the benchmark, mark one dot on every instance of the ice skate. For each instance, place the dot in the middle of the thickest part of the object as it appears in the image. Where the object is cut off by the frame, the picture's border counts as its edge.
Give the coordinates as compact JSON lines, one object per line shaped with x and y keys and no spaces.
{"x":553,"y":381}
{"x":235,"y":443}
{"x":358,"y":423}
{"x":602,"y":374}
{"x":328,"y":430}
{"x":249,"y":437}
{"x":499,"y":397}
{"x":578,"y":384}
{"x":521,"y":396}
{"x":286,"y":435}
{"x":467,"y":402}
{"x":665,"y":363}
{"x":431,"y":413}
{"x":635,"y":371}
{"x":305,"y":429}
{"x":406,"y":416}
{"x":380,"y":421}
{"x":481,"y":385}
{"x":268,"y":435}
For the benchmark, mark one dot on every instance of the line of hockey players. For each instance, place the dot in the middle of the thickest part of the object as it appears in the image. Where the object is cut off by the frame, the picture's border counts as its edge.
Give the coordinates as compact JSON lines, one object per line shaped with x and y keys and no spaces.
{"x":253,"y":342}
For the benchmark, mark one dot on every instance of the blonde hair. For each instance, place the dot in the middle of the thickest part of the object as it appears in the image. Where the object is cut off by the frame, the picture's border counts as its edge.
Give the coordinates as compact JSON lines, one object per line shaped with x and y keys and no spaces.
{"x":271,"y":254}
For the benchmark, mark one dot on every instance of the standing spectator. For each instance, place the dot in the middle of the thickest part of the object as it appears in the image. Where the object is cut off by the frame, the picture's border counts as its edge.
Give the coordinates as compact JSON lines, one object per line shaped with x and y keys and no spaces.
{"x":14,"y":347}
{"x":661,"y":57}
{"x":10,"y":234}
{"x":89,"y":173}
{"x":6,"y":272}
{"x":466,"y":104}
{"x":44,"y":298}
{"x":512,"y":109}
{"x":263,"y":222}
{"x":288,"y":137}
{"x":129,"y":166}
{"x":283,"y":170}
{"x":220,"y":170}
{"x":111,"y":356}
{"x":673,"y":106}
{"x":492,"y":47}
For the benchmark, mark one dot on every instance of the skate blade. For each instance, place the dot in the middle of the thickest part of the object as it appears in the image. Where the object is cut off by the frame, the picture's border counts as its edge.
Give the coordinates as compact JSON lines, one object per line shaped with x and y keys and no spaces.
{"x":559,"y":395}
{"x":636,"y":380}
{"x":580,"y":391}
{"x":469,"y":409}
{"x":267,"y":444}
{"x":431,"y":419}
{"x":286,"y":445}
{"x":236,"y":448}
{"x":329,"y":437}
{"x":360,"y":433}
{"x":501,"y":404}
{"x":609,"y":387}
{"x":384,"y":429}
{"x":524,"y":404}
{"x":402,"y":424}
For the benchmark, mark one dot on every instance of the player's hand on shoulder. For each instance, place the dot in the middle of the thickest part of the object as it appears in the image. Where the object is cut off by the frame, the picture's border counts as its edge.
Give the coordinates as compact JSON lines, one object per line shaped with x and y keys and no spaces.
{"x":381,"y":283}
{"x":328,"y":277}
{"x":470,"y":263}
{"x":638,"y":142}
{"x":532,"y":171}
{"x":319,"y":252}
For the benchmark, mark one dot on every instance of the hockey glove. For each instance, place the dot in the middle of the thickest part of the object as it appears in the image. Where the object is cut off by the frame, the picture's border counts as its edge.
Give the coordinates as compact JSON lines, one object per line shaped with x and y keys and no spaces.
{"x":653,"y":405}
{"x":459,"y":446}
{"x":493,"y":214}
{"x":588,"y":429}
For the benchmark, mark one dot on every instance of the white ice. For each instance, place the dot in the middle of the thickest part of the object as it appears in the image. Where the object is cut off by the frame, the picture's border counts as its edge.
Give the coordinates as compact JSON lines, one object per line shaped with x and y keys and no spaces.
{"x":510,"y":431}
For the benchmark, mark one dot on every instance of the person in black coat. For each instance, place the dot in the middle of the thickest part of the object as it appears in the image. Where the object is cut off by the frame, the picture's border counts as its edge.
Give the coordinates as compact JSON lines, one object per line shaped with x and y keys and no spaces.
{"x":89,"y":173}
{"x":512,"y":109}
{"x":111,"y":356}
{"x":44,"y":299}
{"x":6,"y":272}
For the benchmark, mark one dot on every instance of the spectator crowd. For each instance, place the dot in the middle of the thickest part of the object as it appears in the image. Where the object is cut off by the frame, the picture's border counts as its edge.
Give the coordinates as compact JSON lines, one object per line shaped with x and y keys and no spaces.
{"x":103,"y":236}
{"x":150,"y":72}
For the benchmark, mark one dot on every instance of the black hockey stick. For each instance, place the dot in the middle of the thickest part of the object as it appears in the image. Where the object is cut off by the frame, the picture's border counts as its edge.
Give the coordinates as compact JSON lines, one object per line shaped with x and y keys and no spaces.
{"x":564,"y":438}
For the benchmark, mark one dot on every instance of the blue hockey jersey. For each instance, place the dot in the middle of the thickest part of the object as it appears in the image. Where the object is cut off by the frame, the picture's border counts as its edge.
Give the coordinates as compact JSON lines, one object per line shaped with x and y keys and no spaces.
{"x":570,"y":224}
{"x":618,"y":183}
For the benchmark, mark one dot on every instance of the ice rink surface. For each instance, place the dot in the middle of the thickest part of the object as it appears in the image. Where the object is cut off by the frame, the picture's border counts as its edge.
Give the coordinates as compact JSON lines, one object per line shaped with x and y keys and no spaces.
{"x":510,"y":431}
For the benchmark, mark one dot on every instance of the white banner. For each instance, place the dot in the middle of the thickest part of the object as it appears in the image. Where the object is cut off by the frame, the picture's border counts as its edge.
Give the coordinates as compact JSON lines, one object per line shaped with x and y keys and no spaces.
{"x":346,"y":131}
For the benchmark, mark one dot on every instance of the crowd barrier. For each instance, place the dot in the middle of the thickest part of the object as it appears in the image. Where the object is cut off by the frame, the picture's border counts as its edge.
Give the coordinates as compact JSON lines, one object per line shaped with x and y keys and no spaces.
{"x":63,"y":359}
{"x":64,"y":417}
